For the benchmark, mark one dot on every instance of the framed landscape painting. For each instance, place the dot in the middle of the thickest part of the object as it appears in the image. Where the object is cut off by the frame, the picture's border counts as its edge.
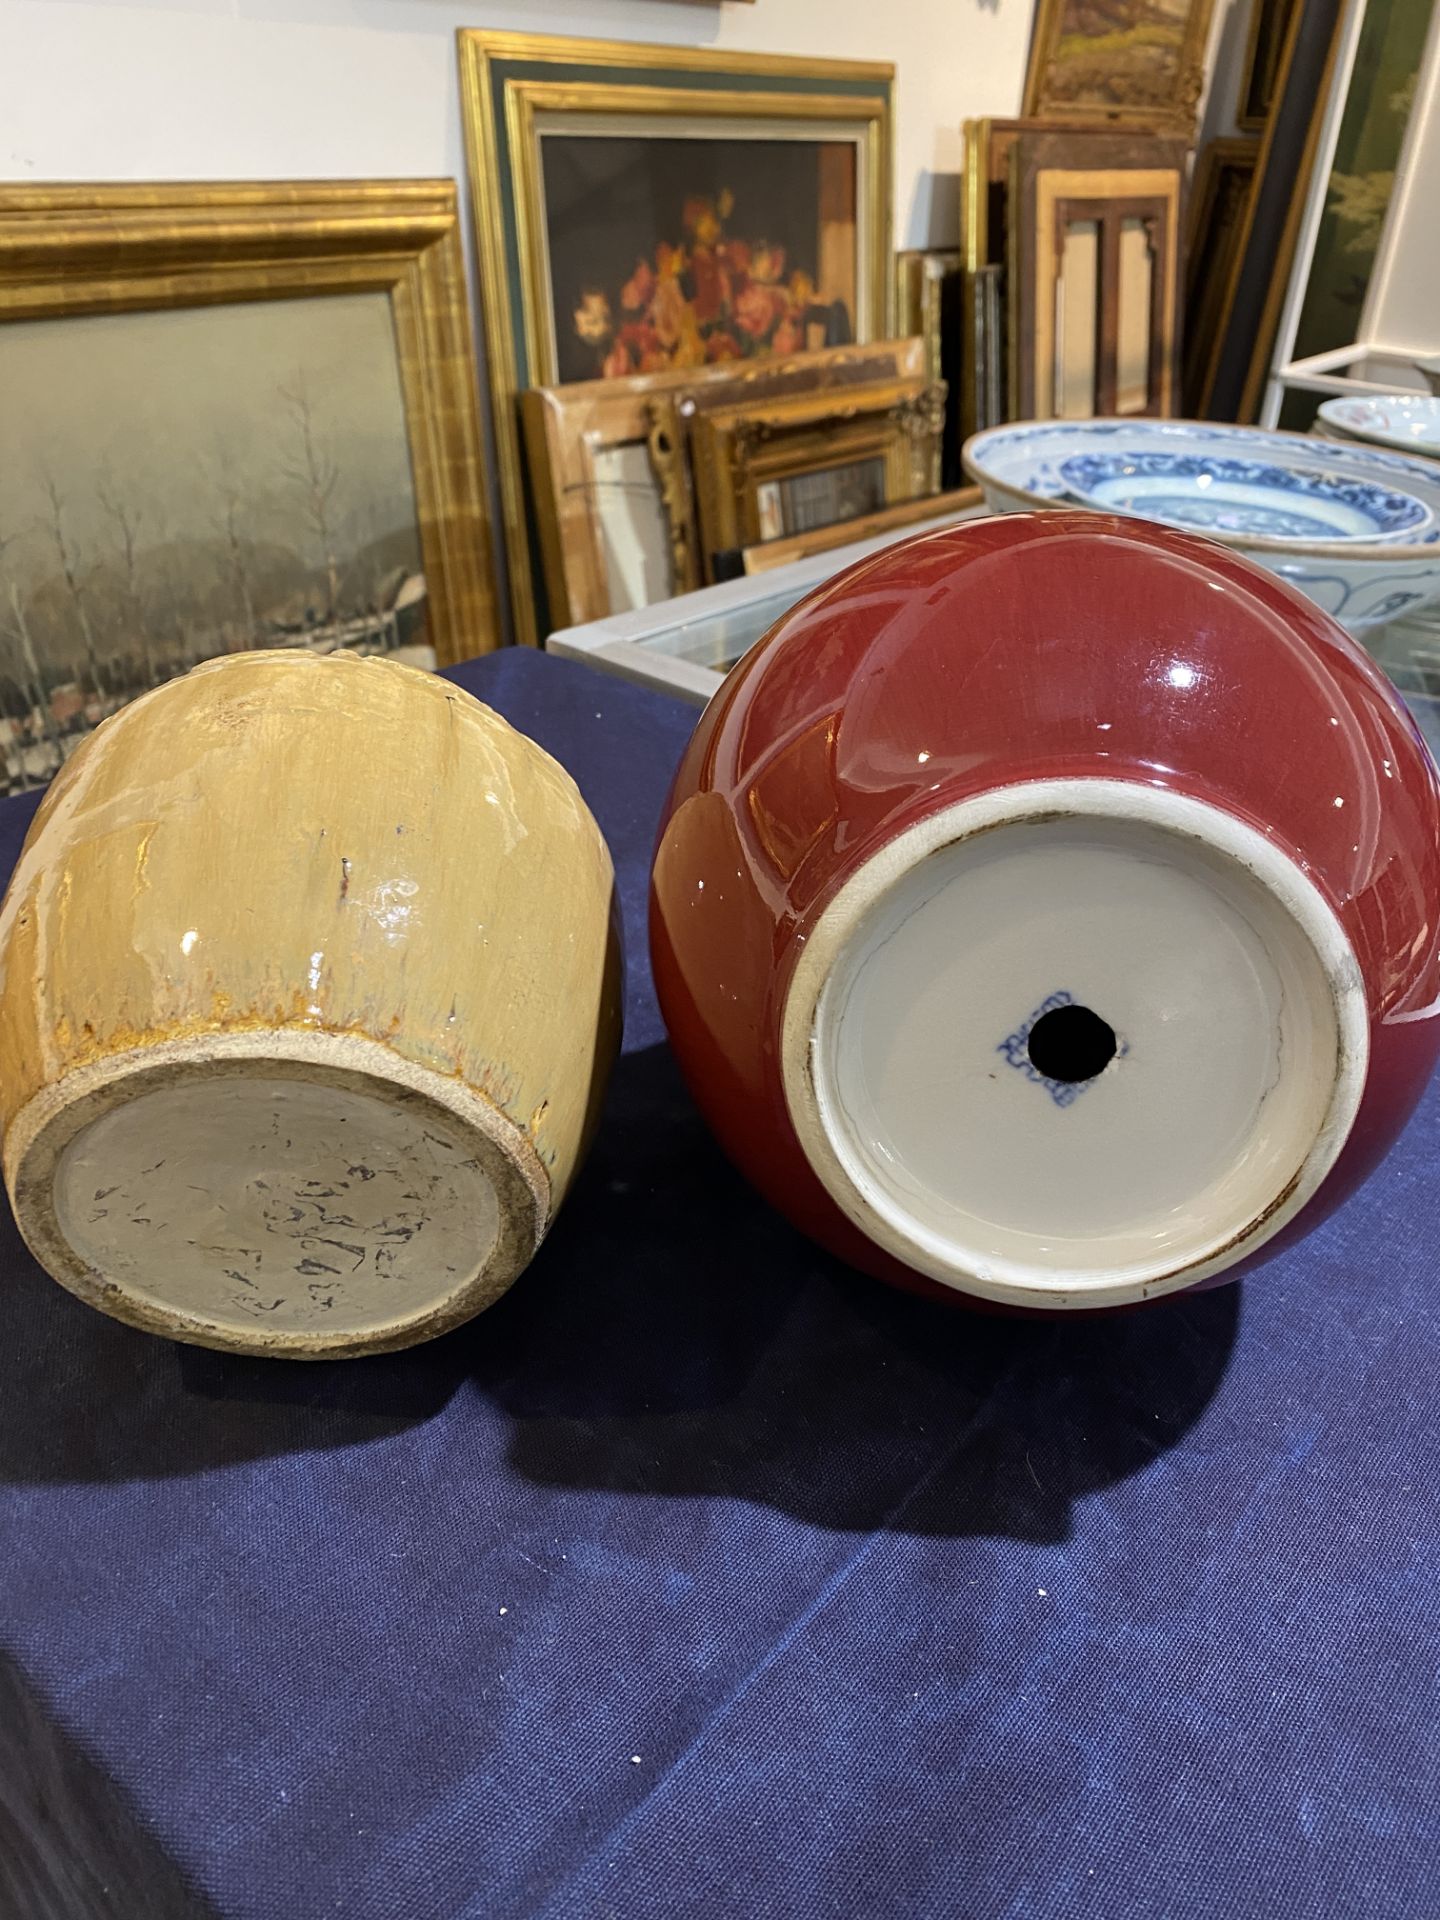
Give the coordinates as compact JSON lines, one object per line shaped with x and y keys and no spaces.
{"x":644,"y":209}
{"x":1137,"y":63}
{"x":234,"y":418}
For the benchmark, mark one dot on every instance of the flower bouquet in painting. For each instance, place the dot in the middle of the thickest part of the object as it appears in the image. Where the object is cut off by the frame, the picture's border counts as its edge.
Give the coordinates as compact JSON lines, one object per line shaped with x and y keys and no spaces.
{"x":710,"y":297}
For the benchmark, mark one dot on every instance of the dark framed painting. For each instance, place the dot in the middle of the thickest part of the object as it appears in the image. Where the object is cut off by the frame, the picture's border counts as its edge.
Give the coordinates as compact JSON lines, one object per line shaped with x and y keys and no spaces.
{"x":645,"y":209}
{"x":1264,"y":252}
{"x":668,"y":253}
{"x":1264,"y":46}
{"x":1219,"y":203}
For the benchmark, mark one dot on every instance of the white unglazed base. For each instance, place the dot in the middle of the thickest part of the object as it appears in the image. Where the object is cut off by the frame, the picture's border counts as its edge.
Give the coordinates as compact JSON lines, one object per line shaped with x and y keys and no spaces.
{"x":1241,"y":1043}
{"x":288,"y":1192}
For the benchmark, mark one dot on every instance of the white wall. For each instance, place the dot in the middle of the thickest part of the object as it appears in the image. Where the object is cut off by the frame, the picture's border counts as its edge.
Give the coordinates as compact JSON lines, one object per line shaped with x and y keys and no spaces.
{"x":270,"y":89}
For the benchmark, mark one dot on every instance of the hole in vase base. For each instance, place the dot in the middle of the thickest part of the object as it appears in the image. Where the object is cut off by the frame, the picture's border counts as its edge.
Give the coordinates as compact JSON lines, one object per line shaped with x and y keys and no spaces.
{"x":1071,"y":1044}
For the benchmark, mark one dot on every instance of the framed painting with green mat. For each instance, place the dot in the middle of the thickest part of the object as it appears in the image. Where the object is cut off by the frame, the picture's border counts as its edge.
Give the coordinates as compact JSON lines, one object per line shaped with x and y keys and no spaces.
{"x":1378,"y":104}
{"x":645,"y":208}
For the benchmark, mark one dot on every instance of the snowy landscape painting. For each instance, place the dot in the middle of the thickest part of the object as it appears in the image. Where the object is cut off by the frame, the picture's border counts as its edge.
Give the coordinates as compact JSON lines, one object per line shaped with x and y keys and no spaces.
{"x":181,"y":483}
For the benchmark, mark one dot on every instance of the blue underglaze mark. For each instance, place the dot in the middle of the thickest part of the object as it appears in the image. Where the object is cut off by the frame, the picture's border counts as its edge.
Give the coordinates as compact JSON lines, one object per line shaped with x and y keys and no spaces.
{"x":1016,"y":1049}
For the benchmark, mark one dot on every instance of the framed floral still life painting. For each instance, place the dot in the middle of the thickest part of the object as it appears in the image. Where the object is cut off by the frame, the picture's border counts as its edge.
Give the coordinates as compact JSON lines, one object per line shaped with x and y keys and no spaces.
{"x":643,"y":209}
{"x":1134,"y":63}
{"x":234,"y":417}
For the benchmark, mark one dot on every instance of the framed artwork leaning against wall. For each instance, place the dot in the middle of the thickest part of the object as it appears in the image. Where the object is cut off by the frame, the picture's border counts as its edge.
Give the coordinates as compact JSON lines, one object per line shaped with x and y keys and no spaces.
{"x":642,"y":209}
{"x":1260,"y":69}
{"x":1094,"y":244}
{"x":609,"y":468}
{"x":1129,"y":63}
{"x":772,"y":470}
{"x":235,"y":416}
{"x":1220,"y":193}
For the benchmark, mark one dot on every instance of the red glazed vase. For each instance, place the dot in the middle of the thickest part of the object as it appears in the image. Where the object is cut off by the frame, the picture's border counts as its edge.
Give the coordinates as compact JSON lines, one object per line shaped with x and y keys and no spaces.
{"x":1045,"y":913}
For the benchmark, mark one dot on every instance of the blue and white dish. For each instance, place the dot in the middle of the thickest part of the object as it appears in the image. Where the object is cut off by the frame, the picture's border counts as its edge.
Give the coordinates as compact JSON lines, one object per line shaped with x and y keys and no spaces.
{"x":1410,"y":421}
{"x":1217,"y":495}
{"x":1362,"y":579}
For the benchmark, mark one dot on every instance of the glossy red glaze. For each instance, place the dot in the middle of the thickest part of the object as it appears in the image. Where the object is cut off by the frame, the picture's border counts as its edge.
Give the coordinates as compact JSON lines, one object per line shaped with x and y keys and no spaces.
{"x":1021,"y":648}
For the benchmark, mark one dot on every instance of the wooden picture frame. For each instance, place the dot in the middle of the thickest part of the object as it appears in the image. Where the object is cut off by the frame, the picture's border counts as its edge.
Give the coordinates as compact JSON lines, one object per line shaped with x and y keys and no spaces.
{"x":1145,"y":71}
{"x":927,"y":305}
{"x":609,"y":469}
{"x":1093,"y":274}
{"x":1220,"y":193}
{"x":762,"y":468}
{"x":161,"y":273}
{"x":1260,"y":70}
{"x":989,"y":342}
{"x":985,"y":185}
{"x":530,"y":105}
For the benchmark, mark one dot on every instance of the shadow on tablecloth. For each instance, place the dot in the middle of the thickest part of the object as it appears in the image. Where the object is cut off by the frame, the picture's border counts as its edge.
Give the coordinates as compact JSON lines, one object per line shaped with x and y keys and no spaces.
{"x":674,"y":1337}
{"x":70,"y":1846}
{"x":754,"y":1366}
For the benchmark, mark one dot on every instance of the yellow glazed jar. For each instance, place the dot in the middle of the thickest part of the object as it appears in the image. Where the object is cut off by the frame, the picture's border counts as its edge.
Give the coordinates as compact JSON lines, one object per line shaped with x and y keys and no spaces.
{"x":311,"y":984}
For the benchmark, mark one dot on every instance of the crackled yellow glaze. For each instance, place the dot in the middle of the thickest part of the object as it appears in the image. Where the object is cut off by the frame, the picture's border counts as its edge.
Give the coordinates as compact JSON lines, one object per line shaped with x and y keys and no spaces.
{"x":321,"y":872}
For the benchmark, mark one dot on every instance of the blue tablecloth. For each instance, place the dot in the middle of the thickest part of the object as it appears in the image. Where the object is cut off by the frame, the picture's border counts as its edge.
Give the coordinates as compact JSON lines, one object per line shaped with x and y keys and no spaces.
{"x":701,"y":1577}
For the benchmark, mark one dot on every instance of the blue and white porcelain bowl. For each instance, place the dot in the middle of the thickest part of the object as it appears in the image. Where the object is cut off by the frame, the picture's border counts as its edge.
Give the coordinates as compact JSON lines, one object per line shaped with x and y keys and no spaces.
{"x":1221,"y":496}
{"x":1362,"y":577}
{"x":1410,"y":421}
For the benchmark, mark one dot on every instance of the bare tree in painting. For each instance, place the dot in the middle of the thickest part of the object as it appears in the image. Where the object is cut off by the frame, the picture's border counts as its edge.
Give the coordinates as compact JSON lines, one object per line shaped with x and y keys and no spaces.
{"x":228,"y":523}
{"x":315,"y":473}
{"x":173,"y":619}
{"x":16,"y":627}
{"x":126,"y":520}
{"x":69,"y":568}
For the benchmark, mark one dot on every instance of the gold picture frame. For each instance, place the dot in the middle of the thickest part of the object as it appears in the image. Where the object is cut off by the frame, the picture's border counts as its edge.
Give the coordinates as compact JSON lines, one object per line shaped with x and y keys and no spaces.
{"x":518,"y":88}
{"x":750,"y":461}
{"x":985,"y":186}
{"x":78,"y":252}
{"x":1145,"y":73}
{"x":608,"y":463}
{"x":921,"y":279}
{"x":927,"y":304}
